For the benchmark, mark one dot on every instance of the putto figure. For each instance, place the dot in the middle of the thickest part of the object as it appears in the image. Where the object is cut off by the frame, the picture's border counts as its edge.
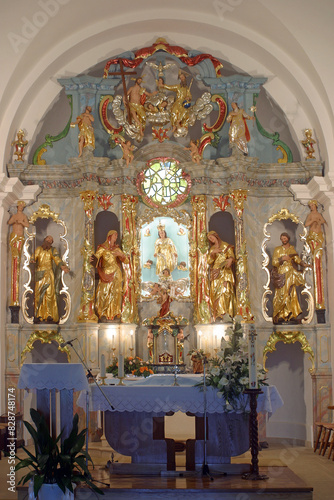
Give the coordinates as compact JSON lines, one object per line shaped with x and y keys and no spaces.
{"x":239,"y":134}
{"x":48,"y":277}
{"x":222,"y":280}
{"x":109,"y":258}
{"x":285,"y":278}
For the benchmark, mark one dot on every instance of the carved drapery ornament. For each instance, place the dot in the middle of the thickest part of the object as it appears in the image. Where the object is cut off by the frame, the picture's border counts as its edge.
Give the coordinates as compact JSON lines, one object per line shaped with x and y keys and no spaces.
{"x":87,"y":313}
{"x":289,"y":338}
{"x":239,"y":196}
{"x":199,"y":254}
{"x":131,"y":250}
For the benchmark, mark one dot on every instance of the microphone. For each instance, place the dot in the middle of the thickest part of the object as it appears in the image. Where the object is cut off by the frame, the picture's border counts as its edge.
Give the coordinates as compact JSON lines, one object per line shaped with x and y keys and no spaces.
{"x":69,"y":342}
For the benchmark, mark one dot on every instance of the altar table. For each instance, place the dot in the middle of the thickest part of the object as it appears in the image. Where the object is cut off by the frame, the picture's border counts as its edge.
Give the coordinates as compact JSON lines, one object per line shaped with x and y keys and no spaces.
{"x":135,"y":425}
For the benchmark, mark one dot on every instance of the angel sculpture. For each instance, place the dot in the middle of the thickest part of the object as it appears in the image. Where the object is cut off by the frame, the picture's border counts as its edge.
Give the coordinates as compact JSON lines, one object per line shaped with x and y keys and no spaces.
{"x":127,"y":149}
{"x":166,"y":290}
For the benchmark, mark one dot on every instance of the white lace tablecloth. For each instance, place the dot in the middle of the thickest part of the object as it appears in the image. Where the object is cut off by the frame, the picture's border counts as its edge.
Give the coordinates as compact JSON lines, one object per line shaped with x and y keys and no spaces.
{"x":156,"y":394}
{"x":53,"y":376}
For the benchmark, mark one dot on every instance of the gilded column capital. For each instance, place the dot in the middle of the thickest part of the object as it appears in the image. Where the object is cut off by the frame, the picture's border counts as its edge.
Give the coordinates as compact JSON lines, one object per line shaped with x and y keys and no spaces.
{"x":88,"y":198}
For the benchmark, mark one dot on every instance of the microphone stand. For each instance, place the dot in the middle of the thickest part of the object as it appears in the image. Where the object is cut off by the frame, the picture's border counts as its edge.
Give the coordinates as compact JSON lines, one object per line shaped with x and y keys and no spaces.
{"x":90,"y":375}
{"x":205,"y":469}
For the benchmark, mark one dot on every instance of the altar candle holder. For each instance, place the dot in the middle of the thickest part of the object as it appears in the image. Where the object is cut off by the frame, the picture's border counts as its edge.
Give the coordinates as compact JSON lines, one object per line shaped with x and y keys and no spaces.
{"x":131,"y":350}
{"x":103,"y":380}
{"x":120,"y":380}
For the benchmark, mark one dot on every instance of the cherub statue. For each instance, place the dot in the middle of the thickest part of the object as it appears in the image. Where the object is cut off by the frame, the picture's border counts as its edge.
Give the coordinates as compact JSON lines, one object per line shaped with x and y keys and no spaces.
{"x":194,"y":152}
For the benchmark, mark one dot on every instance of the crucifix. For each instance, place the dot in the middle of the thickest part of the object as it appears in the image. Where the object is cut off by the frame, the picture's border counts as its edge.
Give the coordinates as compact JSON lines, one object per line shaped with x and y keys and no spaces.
{"x":123,"y":75}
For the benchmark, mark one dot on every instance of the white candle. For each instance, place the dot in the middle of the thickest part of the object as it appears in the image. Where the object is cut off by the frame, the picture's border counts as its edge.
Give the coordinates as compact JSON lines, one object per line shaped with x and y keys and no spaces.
{"x":200,"y":340}
{"x":131,"y":339}
{"x":121,"y":366}
{"x":103,"y":366}
{"x":252,"y":359}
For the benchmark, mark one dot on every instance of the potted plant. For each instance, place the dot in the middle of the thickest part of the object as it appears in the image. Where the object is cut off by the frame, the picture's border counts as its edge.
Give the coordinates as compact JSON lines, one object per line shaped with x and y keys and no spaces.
{"x":54,"y":465}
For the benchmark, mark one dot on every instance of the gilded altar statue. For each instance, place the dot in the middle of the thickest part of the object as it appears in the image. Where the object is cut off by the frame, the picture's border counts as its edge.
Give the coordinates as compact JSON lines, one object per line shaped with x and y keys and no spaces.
{"x":86,"y":131}
{"x":180,"y":108}
{"x":47,"y":275}
{"x":222,"y":280}
{"x":109,"y":258}
{"x":18,"y":222}
{"x":286,"y":277}
{"x":165,"y":252}
{"x":239,"y":133}
{"x":315,"y":239}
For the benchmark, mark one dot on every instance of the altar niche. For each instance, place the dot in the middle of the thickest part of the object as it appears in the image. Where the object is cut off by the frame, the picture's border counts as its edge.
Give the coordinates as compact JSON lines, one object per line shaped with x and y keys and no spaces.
{"x":45,"y":299}
{"x":298,"y":297}
{"x":164,"y":244}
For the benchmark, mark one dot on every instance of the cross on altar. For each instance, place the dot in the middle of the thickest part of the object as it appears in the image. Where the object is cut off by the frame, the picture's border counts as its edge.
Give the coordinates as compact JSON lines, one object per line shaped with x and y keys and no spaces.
{"x":123,"y":75}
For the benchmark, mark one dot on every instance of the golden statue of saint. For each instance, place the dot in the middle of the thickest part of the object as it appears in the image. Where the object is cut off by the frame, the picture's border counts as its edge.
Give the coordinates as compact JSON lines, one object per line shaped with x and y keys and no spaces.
{"x":239,"y":133}
{"x":286,"y":277}
{"x":48,"y":273}
{"x":18,"y":222}
{"x":165,"y":252}
{"x":86,"y":131}
{"x":315,"y":239}
{"x":222,"y":281}
{"x":179,"y":112}
{"x":108,"y":302}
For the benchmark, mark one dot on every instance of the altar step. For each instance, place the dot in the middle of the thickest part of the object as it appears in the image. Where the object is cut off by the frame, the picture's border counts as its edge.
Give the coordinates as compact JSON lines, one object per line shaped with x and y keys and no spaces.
{"x":181,"y":485}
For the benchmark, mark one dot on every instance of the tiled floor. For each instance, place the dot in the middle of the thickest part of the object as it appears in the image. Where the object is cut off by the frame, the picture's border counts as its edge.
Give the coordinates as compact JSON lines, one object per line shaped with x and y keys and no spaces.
{"x":314,"y":470}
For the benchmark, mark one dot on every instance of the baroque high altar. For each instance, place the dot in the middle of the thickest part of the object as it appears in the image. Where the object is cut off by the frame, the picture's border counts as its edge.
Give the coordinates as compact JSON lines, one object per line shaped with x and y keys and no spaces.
{"x":165,"y":209}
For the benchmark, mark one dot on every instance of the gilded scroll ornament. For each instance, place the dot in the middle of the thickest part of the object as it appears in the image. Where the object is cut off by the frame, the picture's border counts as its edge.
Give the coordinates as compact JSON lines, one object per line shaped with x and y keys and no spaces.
{"x":288,"y":338}
{"x":45,"y":337}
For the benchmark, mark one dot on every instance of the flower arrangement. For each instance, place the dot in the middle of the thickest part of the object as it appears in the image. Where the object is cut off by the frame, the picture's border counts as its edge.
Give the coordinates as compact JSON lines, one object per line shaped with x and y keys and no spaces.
{"x":197,"y":354}
{"x":228,"y":371}
{"x":133,"y":365}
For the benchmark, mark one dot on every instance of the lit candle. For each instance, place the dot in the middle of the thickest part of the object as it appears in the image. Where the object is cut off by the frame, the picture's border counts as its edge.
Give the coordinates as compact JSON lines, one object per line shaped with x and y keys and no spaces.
{"x":252,"y":358}
{"x":200,"y":340}
{"x":121,"y":366}
{"x":103,"y":366}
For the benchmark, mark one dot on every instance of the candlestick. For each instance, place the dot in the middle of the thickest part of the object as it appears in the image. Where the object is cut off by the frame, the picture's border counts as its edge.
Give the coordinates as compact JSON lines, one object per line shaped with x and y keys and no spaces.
{"x":199,"y":339}
{"x":131,"y":340}
{"x":103,"y":366}
{"x":121,"y":366}
{"x":252,"y":358}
